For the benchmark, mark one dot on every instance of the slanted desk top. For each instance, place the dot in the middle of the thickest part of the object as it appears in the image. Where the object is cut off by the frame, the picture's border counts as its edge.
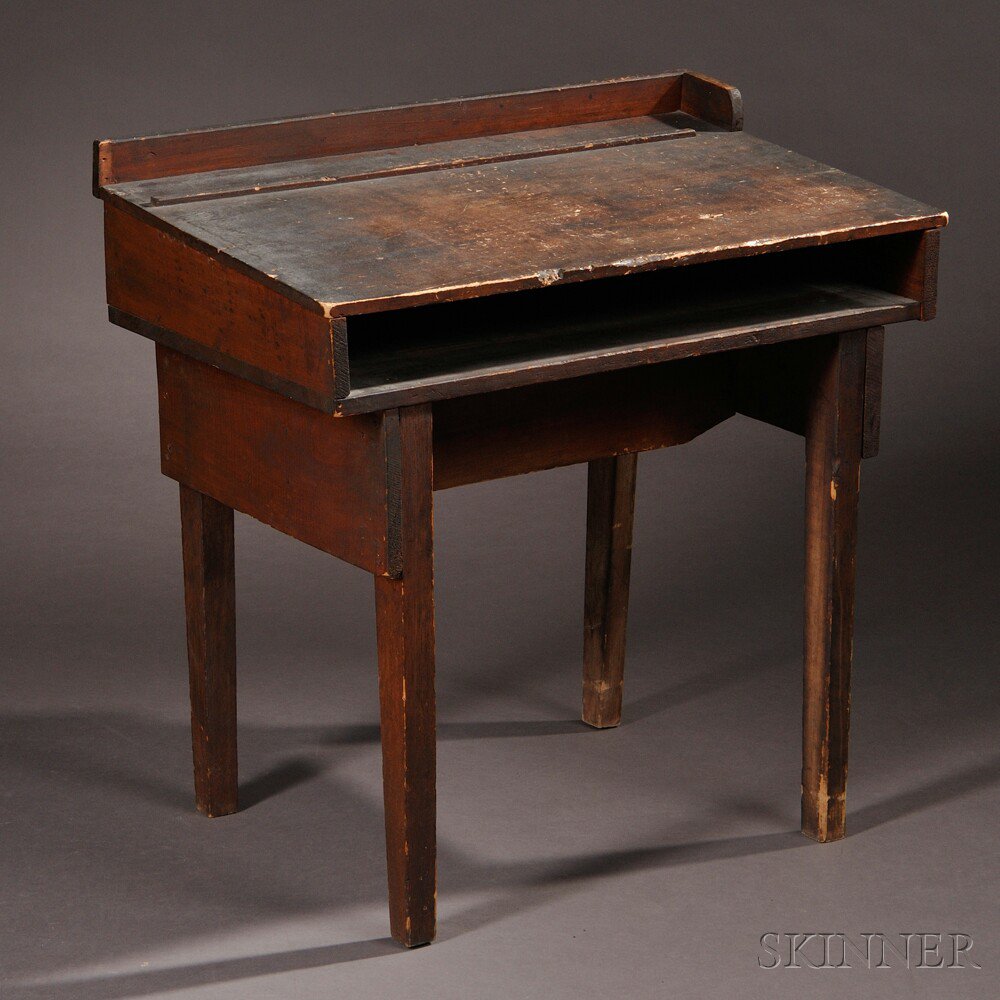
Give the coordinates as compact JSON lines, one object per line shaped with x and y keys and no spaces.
{"x":331,"y":225}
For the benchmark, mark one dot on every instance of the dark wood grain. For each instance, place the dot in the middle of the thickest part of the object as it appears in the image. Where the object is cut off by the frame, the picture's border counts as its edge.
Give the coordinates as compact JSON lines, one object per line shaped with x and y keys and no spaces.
{"x":610,"y":508}
{"x":909,"y":265}
{"x":210,"y":611}
{"x":325,"y":402}
{"x":459,"y":207}
{"x":318,"y":478}
{"x":833,"y":468}
{"x":508,"y":433}
{"x":405,"y":620}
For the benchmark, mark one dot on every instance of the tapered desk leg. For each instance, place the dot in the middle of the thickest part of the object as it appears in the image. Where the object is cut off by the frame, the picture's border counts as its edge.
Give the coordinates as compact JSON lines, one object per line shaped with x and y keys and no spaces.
{"x":833,"y":465}
{"x":209,"y":603}
{"x":610,"y":506}
{"x":405,"y":620}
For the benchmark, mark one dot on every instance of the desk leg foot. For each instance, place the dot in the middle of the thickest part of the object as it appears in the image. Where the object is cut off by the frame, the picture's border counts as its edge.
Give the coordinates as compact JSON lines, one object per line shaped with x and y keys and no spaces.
{"x":405,"y":623}
{"x":209,"y":604}
{"x":833,"y":465}
{"x":610,"y":506}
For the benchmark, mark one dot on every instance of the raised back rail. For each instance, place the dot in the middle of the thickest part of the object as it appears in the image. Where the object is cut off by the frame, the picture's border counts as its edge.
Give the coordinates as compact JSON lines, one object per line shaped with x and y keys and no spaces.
{"x":681,"y":93}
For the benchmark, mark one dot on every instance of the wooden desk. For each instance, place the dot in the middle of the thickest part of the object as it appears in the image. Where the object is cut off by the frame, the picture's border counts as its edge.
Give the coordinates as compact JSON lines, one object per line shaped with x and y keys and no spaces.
{"x":353,"y":310}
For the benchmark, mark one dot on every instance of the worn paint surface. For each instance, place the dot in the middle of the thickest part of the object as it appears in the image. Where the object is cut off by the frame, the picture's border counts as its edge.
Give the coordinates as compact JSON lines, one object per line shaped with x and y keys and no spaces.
{"x":469,"y":231}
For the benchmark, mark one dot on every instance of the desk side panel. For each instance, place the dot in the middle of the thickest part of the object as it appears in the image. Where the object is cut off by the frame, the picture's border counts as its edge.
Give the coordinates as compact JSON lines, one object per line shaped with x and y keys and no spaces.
{"x":712,"y":100}
{"x":322,"y":479}
{"x":920,"y":280}
{"x":175,"y":294}
{"x":905,"y":264}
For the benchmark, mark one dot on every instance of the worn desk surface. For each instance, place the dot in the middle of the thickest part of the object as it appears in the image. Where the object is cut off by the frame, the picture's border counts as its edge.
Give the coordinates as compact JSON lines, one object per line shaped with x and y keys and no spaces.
{"x":363,"y":245}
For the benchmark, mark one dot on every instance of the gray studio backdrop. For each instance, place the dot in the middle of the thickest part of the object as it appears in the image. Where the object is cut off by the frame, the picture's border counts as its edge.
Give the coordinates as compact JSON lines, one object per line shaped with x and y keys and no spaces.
{"x":647,"y":861}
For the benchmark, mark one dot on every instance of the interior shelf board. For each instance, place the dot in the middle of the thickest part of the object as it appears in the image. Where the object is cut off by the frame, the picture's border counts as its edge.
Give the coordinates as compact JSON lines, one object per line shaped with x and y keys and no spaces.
{"x":467,"y":355}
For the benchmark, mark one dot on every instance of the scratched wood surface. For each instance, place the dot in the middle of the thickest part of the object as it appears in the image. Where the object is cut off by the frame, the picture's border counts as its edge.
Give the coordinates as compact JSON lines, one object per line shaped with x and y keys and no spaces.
{"x":414,"y":238}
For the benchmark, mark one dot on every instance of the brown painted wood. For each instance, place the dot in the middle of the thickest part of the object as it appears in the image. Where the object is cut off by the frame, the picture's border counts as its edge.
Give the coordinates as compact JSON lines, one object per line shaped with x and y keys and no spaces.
{"x":405,"y":621}
{"x":189,"y":299}
{"x":118,"y":160}
{"x":712,"y":100}
{"x":833,"y":468}
{"x":508,"y":433}
{"x":610,"y":509}
{"x":318,"y":478}
{"x":250,"y":249}
{"x":210,"y":610}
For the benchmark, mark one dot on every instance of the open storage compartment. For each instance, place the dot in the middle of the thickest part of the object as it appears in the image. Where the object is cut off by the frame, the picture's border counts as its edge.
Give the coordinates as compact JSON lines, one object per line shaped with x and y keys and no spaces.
{"x":493,"y":342}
